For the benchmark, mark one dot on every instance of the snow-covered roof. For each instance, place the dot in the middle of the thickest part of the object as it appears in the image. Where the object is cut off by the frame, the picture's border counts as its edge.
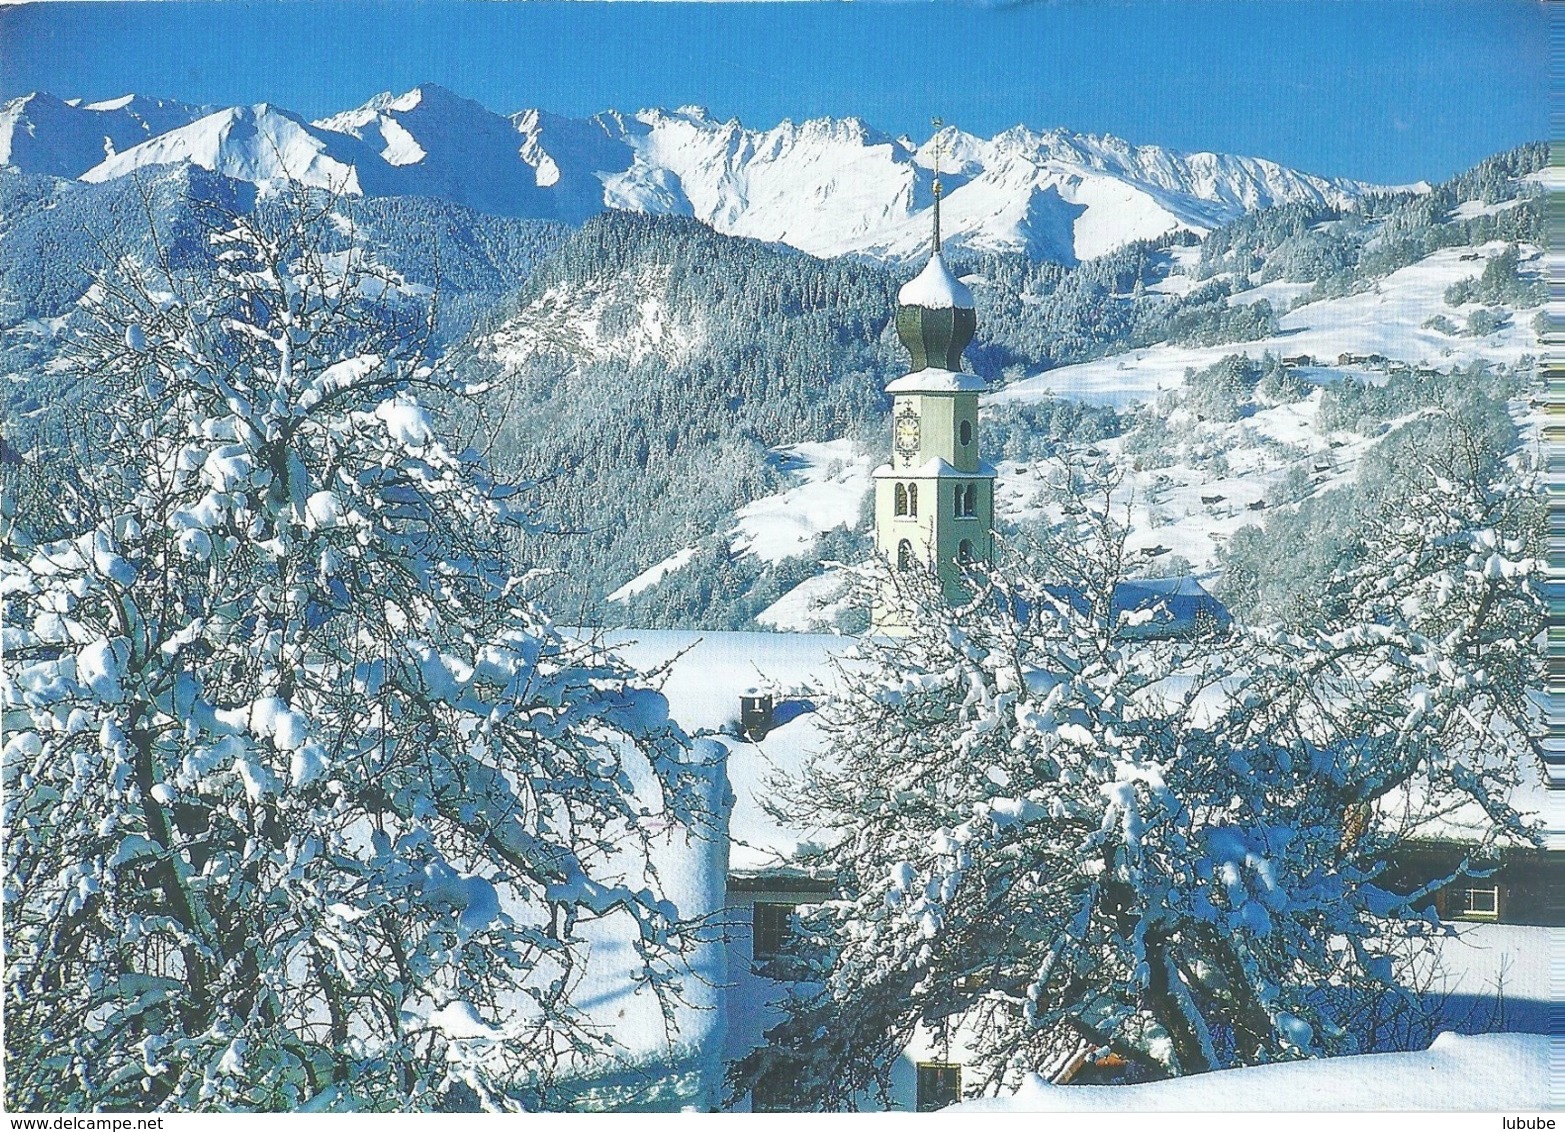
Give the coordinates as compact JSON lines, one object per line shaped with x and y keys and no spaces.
{"x":936,"y":288}
{"x":1156,"y":607}
{"x":1167,"y":605}
{"x":936,"y":468}
{"x":1458,"y":1073}
{"x":933,"y":380}
{"x":707,"y":673}
{"x":1531,"y":797}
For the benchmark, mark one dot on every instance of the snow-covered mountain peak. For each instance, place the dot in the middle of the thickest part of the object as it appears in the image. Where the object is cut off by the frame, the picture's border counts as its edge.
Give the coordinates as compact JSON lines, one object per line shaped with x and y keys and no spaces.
{"x":424,"y":116}
{"x":696,"y":113}
{"x":828,"y":186}
{"x":959,"y":152}
{"x":261,"y":144}
{"x":428,"y":97}
{"x":408,"y":100}
{"x":41,"y":133}
{"x":123,"y":102}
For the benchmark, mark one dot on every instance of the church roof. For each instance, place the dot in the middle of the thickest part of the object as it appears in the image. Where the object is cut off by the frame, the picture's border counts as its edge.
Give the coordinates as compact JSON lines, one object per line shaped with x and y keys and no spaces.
{"x":932,"y":380}
{"x":936,"y":468}
{"x":935,"y":288}
{"x":1158,"y":607}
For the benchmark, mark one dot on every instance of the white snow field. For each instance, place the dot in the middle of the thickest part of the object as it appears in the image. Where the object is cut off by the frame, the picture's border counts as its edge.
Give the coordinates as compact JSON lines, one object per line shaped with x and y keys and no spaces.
{"x":1387,"y":320}
{"x":832,"y":481}
{"x":653,"y":574}
{"x":811,"y":606}
{"x":1458,"y":1073}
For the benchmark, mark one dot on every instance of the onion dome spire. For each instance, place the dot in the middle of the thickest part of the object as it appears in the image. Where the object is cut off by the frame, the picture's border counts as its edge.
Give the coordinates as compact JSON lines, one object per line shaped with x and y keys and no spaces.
{"x":935,"y":315}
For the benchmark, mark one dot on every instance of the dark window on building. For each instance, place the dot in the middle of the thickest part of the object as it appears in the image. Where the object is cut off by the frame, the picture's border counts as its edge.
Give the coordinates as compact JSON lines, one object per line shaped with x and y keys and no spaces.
{"x":904,"y":555}
{"x":939,"y":1085}
{"x":964,"y":551}
{"x":912,"y":500}
{"x":970,"y":500}
{"x":771,"y":925}
{"x":1473,"y":901}
{"x":901,"y":504}
{"x":966,"y":433}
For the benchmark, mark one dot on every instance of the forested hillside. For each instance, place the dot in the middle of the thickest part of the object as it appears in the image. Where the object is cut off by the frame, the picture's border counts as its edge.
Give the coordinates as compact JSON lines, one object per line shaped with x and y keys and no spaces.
{"x":649,"y":376}
{"x":56,"y":235}
{"x":649,"y":364}
{"x":644,"y":371}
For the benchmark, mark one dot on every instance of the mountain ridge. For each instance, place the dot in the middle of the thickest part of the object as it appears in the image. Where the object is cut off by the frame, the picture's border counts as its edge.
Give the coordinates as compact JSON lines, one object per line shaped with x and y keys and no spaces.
{"x":825,"y":186}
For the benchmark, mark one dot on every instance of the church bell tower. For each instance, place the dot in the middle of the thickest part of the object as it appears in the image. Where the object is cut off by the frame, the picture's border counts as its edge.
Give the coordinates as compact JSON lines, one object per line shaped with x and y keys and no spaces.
{"x":934,"y":502}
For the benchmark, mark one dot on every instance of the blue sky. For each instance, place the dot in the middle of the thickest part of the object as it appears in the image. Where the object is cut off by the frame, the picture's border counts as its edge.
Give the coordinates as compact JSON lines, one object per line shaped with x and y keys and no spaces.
{"x":1384,"y":90}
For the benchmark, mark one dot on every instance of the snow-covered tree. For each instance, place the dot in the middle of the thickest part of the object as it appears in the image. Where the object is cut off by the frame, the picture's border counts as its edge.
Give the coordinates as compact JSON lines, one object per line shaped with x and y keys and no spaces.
{"x":303,"y":799}
{"x":1054,"y":835}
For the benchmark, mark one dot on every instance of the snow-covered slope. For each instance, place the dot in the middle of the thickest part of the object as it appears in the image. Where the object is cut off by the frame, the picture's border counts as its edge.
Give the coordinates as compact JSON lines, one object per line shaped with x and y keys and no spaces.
{"x":1062,"y":195}
{"x":826,"y":186}
{"x":623,"y":319}
{"x":1192,"y":504}
{"x":1458,"y":1073}
{"x":442,"y":145}
{"x":1189,"y":503}
{"x":40,"y":133}
{"x":831,"y":481}
{"x":1387,"y":320}
{"x":261,"y":144}
{"x":828,"y":483}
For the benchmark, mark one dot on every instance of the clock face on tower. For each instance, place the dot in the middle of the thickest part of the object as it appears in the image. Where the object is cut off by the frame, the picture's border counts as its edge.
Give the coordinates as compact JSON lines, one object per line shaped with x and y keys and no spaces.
{"x":905,"y":434}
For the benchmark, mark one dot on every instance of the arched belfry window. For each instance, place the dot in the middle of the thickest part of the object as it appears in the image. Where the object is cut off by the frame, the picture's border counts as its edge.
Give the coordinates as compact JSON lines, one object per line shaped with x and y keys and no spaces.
{"x":904,"y":555}
{"x":966,"y":433}
{"x":964,"y":551}
{"x":956,"y":500}
{"x":970,"y":500}
{"x":912,"y":500}
{"x":901,"y":500}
